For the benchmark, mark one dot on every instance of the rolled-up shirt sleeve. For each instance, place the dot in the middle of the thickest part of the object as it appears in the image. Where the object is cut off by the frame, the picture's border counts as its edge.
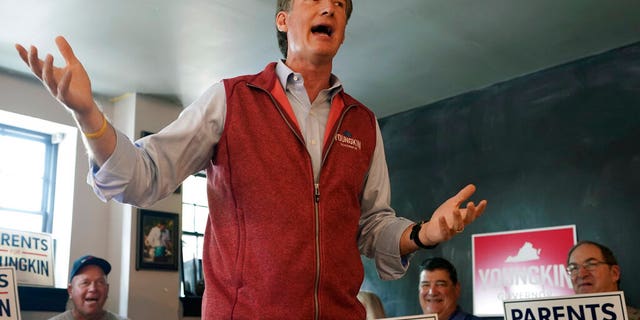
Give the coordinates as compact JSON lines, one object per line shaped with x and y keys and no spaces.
{"x":380,"y":228}
{"x":142,"y":172}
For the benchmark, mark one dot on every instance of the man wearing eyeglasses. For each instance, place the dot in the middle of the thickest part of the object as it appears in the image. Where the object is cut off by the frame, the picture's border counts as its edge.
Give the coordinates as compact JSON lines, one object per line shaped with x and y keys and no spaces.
{"x":593,"y":268}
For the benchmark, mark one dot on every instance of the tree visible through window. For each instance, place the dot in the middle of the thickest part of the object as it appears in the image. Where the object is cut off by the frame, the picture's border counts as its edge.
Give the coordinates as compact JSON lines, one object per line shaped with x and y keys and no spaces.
{"x":27,"y":178}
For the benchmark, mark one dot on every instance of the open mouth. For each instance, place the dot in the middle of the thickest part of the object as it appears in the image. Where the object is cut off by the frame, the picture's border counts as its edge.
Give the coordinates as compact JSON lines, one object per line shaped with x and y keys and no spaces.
{"x":91,"y":300}
{"x":434,"y":300}
{"x":322,"y":29}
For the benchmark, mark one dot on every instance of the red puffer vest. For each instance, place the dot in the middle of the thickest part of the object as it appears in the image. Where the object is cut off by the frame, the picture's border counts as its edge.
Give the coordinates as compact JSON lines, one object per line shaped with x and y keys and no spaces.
{"x":277,"y":245}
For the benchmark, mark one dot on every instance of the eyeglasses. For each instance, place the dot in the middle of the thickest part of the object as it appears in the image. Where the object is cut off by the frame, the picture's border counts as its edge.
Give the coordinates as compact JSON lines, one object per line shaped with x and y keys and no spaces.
{"x":574,"y":268}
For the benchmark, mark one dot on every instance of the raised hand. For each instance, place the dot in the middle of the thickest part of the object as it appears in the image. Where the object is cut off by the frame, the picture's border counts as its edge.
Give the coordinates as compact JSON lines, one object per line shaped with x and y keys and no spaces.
{"x":450,"y":218}
{"x":69,"y":84}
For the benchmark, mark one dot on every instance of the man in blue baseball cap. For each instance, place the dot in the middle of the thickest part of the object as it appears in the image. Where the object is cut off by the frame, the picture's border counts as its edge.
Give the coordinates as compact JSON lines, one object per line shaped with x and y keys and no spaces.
{"x":88,"y":290}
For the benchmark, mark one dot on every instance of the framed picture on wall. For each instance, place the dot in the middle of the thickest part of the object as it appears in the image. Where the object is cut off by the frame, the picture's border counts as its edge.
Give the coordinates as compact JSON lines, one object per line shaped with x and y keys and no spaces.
{"x":157,"y":240}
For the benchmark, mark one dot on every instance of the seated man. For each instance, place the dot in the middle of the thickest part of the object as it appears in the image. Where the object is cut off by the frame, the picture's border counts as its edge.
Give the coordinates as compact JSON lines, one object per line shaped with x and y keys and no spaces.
{"x":440,"y":290}
{"x":593,"y":268}
{"x":88,"y":290}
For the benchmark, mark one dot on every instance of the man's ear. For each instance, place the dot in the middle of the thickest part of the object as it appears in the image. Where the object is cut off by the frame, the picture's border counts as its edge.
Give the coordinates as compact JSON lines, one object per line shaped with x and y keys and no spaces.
{"x":281,"y":21}
{"x":615,"y":272}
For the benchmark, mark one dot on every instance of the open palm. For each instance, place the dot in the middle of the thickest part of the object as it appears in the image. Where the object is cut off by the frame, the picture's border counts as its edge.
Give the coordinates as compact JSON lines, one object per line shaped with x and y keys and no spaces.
{"x":450,"y":218}
{"x":70,"y":84}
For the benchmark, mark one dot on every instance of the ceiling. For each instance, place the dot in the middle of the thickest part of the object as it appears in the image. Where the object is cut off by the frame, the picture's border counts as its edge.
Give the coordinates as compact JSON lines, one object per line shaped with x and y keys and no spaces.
{"x":398,"y":54}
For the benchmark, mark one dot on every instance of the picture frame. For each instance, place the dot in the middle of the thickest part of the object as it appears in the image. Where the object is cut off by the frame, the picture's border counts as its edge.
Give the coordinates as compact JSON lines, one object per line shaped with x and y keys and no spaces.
{"x":158,"y":240}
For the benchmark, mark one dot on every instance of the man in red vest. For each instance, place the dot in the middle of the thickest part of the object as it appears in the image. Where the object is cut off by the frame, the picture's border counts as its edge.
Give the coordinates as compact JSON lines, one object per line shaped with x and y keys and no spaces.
{"x":298,"y":183}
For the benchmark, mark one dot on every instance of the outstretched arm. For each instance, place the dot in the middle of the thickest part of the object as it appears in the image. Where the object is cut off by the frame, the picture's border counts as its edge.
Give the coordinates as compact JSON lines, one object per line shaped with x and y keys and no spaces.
{"x":448,"y":220}
{"x":71,"y":86}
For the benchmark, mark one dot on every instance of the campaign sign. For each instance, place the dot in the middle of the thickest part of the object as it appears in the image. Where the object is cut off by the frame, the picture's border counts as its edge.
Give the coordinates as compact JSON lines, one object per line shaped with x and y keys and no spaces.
{"x":597,"y":306}
{"x":520,"y":264}
{"x":30,"y":253}
{"x":9,"y":305}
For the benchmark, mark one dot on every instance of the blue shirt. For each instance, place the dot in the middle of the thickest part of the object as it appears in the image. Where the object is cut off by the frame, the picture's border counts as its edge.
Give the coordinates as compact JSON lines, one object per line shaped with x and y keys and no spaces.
{"x":461,"y":315}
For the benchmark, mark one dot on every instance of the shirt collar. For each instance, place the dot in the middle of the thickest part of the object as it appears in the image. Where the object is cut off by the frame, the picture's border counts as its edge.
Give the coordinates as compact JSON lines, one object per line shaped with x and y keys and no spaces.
{"x":456,"y":313}
{"x":285,"y":75}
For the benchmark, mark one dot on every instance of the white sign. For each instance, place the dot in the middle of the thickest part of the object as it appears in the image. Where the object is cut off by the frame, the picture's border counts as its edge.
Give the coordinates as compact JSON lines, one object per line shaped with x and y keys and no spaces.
{"x":596,"y":306}
{"x":30,"y":254}
{"x":9,"y":305}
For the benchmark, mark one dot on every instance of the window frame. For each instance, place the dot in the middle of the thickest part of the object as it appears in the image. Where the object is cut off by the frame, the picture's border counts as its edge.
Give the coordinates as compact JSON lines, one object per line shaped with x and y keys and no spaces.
{"x":50,"y":142}
{"x":191,"y":233}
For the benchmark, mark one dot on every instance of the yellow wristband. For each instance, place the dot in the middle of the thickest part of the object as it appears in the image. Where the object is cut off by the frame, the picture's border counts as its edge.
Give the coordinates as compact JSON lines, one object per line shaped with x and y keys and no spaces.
{"x":100,"y":132}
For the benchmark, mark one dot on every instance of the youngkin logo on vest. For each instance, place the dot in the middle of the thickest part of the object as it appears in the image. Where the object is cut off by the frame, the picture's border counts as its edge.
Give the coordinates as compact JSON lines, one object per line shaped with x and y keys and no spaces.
{"x":522,"y":264}
{"x":346,"y":140}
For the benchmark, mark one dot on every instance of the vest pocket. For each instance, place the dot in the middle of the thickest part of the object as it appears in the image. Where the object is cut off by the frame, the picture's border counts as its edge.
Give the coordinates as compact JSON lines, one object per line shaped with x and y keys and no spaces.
{"x":241,"y":239}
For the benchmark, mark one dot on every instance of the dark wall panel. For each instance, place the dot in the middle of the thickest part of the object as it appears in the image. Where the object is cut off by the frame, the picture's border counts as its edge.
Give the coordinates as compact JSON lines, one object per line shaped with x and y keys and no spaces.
{"x":557,"y":147}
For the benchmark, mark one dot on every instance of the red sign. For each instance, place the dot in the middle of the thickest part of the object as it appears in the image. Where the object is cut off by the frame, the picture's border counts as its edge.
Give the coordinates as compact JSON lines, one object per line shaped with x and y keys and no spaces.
{"x":522,"y":264}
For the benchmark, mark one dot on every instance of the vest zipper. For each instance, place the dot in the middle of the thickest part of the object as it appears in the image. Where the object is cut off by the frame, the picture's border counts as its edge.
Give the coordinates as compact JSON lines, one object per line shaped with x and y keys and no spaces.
{"x":316,"y":285}
{"x":316,"y":188}
{"x":316,"y":199}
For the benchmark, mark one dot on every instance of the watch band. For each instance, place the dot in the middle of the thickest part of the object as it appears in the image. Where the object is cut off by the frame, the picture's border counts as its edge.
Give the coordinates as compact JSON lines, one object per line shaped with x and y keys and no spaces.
{"x":414,"y":235}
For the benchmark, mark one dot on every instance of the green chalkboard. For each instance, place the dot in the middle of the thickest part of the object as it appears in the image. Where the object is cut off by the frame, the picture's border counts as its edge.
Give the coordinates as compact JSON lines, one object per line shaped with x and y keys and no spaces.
{"x":557,"y":147}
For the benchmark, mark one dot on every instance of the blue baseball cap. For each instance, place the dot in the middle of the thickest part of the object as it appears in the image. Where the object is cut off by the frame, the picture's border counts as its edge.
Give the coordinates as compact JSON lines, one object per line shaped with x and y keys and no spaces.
{"x":87,"y":260}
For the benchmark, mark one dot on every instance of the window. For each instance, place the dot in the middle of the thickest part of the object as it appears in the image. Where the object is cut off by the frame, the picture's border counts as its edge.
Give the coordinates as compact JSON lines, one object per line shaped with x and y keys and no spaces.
{"x":37,"y":180}
{"x":194,"y":220}
{"x":27,"y":178}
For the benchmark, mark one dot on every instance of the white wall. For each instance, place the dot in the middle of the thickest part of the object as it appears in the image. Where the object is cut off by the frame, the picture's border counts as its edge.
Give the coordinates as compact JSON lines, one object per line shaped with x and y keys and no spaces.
{"x":147,"y":287}
{"x":107,"y":229}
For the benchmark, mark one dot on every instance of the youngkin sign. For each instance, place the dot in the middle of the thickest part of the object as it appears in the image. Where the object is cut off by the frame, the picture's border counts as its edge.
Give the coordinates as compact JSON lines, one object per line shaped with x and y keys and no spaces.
{"x":521,"y":264}
{"x":30,"y":253}
{"x":9,"y":304}
{"x":597,"y":306}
